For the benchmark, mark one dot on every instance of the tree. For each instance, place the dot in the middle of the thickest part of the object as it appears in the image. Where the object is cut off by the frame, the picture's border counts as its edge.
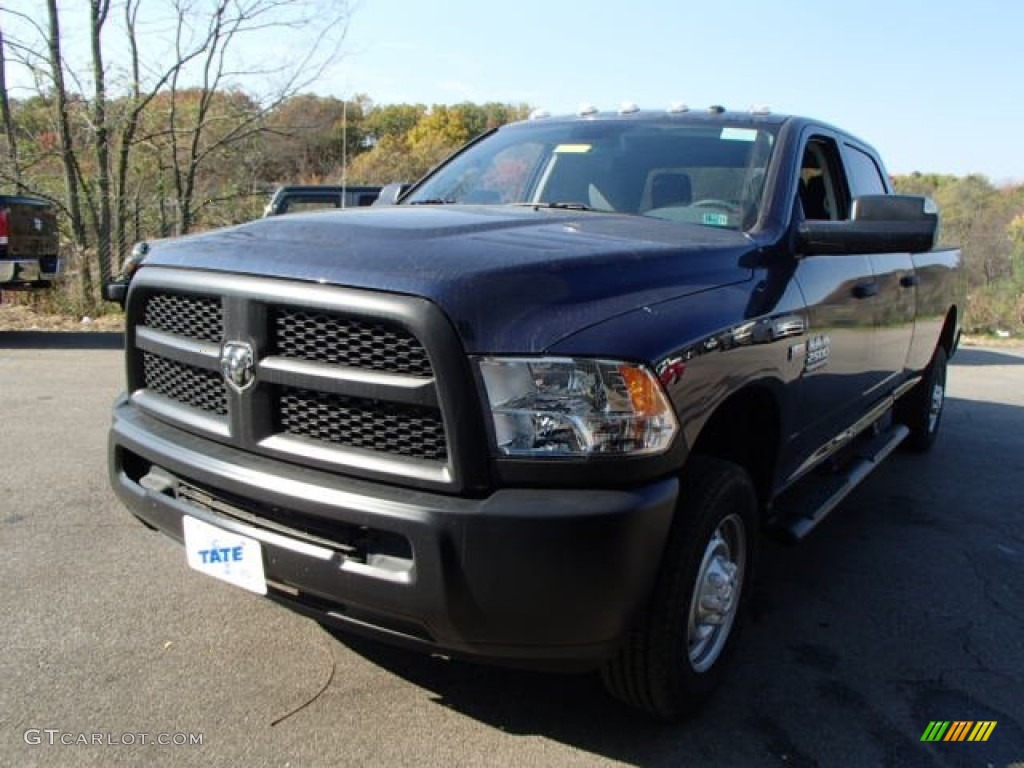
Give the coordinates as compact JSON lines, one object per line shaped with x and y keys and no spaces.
{"x":7,"y":118}
{"x":194,"y":132}
{"x":309,"y":137}
{"x":392,"y":120}
{"x":67,"y":146}
{"x":208,"y":118}
{"x":987,"y":224}
{"x":98,"y":10}
{"x":405,"y":150}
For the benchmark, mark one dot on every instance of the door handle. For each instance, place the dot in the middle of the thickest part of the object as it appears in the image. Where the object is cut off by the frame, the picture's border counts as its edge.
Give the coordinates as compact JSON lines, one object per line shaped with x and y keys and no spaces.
{"x":865,"y":290}
{"x":909,"y":281}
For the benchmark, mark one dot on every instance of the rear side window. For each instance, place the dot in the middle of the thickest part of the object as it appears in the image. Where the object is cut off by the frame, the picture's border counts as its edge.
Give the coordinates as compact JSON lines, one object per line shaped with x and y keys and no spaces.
{"x":865,"y":178}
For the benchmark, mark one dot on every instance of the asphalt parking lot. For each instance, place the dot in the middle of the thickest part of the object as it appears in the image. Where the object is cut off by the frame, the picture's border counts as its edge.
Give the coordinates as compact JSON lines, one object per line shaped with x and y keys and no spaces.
{"x":906,"y":607}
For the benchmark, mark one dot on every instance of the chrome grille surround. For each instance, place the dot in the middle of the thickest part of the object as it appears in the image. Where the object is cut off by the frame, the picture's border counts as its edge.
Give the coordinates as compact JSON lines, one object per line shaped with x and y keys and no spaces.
{"x":370,"y":407}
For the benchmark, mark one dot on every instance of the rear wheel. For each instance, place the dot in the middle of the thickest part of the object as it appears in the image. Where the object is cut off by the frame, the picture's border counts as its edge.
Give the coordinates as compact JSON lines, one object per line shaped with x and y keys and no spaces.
{"x":921,"y":409}
{"x":679,"y":647}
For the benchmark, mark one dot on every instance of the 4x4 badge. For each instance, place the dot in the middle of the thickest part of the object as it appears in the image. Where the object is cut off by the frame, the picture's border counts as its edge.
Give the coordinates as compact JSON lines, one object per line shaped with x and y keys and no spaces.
{"x":238,"y":364}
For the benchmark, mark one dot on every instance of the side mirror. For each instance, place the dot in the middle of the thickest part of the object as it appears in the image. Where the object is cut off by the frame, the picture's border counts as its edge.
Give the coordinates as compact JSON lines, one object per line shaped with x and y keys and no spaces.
{"x":877,"y":224}
{"x":391,"y":193}
{"x":116,"y":291}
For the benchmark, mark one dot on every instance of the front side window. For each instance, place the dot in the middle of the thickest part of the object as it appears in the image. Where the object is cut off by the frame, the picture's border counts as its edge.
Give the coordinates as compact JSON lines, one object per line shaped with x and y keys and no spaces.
{"x":822,"y":192}
{"x":696,"y":173}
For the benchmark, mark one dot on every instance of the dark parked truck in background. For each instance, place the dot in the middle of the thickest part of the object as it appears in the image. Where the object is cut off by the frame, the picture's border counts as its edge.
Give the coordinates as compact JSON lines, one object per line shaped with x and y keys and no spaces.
{"x":539,"y":410}
{"x":29,"y":243}
{"x":299,"y":198}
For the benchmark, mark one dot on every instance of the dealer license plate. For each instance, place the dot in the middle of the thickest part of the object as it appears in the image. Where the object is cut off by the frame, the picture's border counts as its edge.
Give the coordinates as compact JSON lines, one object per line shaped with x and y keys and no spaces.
{"x":224,"y":555}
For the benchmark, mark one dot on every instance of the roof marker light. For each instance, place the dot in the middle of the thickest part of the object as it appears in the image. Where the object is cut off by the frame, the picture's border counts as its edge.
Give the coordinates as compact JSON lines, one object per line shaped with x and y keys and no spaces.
{"x":539,"y":114}
{"x":716,"y":109}
{"x":628,"y":108}
{"x":587,"y":110}
{"x":677,"y":108}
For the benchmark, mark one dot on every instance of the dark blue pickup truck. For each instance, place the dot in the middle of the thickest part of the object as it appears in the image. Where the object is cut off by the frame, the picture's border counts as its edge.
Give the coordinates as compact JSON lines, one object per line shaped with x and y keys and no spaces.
{"x":540,"y":409}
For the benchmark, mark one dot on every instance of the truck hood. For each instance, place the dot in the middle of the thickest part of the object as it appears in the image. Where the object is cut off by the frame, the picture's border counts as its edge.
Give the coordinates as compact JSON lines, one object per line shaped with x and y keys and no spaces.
{"x":511,"y":279}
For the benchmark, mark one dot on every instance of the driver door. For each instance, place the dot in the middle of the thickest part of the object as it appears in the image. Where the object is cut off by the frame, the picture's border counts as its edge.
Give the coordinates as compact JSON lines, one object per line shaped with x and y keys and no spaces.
{"x":836,"y":351}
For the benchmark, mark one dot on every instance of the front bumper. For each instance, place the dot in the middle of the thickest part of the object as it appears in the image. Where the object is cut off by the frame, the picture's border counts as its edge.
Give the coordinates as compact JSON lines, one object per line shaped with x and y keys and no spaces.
{"x":30,"y":272}
{"x":520,"y":574}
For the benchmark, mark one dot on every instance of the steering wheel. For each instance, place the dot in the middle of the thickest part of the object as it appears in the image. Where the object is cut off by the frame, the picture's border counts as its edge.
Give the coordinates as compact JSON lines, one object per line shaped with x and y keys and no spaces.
{"x":711,"y":202}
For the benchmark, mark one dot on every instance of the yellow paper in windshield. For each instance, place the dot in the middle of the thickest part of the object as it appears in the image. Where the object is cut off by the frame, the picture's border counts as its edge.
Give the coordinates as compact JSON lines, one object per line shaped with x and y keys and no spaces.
{"x":572,"y":149}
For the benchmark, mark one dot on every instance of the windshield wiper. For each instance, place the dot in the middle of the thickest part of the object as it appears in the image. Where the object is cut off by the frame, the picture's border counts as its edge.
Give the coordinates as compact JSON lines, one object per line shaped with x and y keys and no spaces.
{"x":561,"y":206}
{"x":433,"y":201}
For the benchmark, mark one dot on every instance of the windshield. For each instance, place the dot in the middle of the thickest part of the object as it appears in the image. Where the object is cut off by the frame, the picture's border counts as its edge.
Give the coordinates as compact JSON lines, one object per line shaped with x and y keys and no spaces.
{"x":695,"y":173}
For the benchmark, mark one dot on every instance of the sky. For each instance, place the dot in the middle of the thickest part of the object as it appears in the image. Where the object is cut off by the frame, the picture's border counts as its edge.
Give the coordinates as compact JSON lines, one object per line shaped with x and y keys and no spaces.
{"x":934,"y":85}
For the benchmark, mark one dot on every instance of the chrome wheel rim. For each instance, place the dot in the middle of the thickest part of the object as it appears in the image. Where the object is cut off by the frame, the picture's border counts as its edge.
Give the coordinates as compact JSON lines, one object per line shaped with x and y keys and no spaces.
{"x":716,"y":593}
{"x":935,"y":408}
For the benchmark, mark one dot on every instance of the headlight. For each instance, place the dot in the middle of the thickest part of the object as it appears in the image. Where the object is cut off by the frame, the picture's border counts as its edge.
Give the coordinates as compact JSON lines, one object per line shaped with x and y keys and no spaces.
{"x":133,"y":260}
{"x":576,"y":407}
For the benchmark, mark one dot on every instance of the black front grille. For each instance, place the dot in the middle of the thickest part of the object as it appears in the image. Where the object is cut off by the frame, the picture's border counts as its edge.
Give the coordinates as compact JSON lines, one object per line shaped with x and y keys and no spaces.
{"x":317,"y":336}
{"x":368,"y":424}
{"x":194,"y":317}
{"x":194,"y":387}
{"x":341,"y":379}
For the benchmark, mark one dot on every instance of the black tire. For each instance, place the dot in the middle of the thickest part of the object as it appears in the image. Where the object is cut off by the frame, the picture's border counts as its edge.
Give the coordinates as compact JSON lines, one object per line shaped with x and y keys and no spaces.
{"x":672,"y":661}
{"x":921,"y":408}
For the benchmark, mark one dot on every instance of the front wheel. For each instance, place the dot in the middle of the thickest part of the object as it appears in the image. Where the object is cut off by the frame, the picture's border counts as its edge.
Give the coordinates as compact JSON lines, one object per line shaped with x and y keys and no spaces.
{"x":679,"y":647}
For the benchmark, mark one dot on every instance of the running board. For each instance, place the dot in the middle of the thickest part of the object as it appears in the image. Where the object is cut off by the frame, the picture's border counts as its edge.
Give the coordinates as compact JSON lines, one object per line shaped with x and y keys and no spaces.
{"x":799,"y":510}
